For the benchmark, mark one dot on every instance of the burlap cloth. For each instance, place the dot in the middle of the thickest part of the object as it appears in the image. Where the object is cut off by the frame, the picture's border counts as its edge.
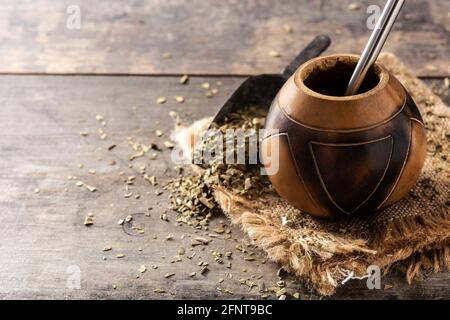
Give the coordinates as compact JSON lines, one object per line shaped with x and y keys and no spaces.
{"x":412,"y":235}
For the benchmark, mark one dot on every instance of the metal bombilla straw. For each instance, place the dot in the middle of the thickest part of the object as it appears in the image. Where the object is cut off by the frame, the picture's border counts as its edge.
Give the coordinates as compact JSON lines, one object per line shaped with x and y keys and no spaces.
{"x":375,"y":44}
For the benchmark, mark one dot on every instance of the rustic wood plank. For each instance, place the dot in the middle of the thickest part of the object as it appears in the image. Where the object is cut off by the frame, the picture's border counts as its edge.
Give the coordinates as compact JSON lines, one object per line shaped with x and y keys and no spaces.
{"x":224,"y":37}
{"x":43,"y":233}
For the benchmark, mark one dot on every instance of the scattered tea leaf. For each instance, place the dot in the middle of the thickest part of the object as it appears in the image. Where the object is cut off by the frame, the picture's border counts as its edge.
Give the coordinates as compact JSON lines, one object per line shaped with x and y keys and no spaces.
{"x":274,"y":54}
{"x":219,"y":230}
{"x":169,"y":145}
{"x":173,"y":114}
{"x":90,"y":188}
{"x":142,"y":268}
{"x":228,"y":291}
{"x":204,"y":270}
{"x":161,"y":100}
{"x":151,"y":179}
{"x":354,"y":6}
{"x":280,"y":292}
{"x":159,"y":290}
{"x":88,"y":220}
{"x":287,"y":27}
{"x":184,"y":79}
{"x":179,"y":99}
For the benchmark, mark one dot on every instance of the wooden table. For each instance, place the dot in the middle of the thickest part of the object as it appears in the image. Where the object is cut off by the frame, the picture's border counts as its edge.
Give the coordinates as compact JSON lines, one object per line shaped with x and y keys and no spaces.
{"x":54,"y":80}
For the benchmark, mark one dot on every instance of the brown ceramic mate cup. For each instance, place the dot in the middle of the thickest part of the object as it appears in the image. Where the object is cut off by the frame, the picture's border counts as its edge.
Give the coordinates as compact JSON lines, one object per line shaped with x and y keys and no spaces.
{"x":343,"y":155}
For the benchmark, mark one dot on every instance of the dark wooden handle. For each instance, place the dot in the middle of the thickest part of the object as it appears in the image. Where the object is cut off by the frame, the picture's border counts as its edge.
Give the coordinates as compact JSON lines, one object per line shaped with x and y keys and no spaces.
{"x":318,"y":45}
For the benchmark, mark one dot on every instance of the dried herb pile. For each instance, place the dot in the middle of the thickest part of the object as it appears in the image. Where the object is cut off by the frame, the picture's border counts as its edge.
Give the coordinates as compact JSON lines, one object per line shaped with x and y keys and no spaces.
{"x":192,"y":192}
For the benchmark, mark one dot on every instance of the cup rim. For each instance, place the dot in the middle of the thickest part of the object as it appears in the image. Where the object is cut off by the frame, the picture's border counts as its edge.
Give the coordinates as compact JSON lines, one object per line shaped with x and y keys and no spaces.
{"x":304,"y":71}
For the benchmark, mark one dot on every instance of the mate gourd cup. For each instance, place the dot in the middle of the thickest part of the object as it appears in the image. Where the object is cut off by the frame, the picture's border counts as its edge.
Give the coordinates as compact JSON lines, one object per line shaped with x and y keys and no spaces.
{"x":343,"y":155}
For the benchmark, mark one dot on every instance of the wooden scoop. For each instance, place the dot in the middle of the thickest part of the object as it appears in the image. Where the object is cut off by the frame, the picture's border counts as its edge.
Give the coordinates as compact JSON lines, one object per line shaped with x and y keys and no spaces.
{"x":261,"y":90}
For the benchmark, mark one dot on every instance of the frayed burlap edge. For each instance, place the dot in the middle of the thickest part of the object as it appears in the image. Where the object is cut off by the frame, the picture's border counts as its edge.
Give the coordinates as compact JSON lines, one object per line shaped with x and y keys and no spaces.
{"x":326,"y":263}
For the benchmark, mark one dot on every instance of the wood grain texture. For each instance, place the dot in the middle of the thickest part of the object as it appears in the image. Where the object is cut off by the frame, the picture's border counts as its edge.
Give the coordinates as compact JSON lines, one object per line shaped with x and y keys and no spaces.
{"x":42,"y":234}
{"x":204,"y":37}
